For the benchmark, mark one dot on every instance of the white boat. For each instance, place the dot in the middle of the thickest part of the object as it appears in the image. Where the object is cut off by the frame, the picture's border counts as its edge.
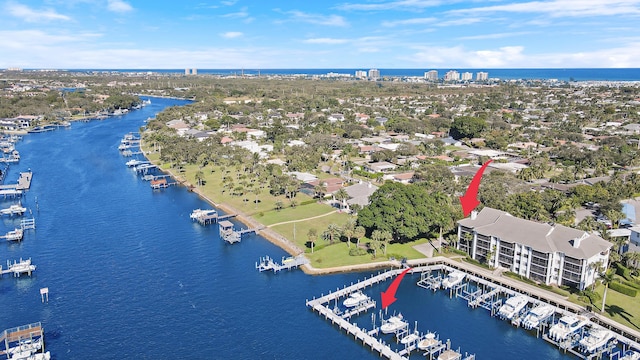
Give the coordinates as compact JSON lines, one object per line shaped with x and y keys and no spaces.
{"x":537,"y":315}
{"x":565,"y":326}
{"x":410,"y":338}
{"x":513,"y":306}
{"x":454,"y":278}
{"x":13,"y":210}
{"x":428,"y":342}
{"x":631,"y":355}
{"x":134,"y":162}
{"x":393,"y":324}
{"x":355,"y":299}
{"x":14,"y":235}
{"x":597,"y":339}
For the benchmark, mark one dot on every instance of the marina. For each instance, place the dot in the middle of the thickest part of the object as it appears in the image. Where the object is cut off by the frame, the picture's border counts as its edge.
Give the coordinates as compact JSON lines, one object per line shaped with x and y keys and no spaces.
{"x":567,"y":327}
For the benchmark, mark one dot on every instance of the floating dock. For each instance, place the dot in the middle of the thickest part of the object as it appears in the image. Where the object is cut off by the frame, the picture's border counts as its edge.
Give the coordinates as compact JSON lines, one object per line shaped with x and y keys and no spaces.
{"x":24,"y":181}
{"x":18,"y":268}
{"x":268,"y":264}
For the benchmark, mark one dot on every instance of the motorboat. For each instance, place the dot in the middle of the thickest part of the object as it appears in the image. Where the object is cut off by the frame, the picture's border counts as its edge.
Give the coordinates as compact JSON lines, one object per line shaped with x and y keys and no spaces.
{"x":13,"y":210}
{"x":537,"y":315}
{"x":598,"y":337}
{"x":410,"y":338}
{"x":15,"y":235}
{"x":631,"y":355}
{"x":513,"y":306}
{"x":428,"y":342}
{"x":355,"y":299}
{"x":565,"y":326}
{"x":454,"y":278}
{"x":393,"y":324}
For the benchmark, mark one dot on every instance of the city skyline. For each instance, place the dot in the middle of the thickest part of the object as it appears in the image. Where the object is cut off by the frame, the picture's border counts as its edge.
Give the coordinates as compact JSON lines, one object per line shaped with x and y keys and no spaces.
{"x":353,"y":34}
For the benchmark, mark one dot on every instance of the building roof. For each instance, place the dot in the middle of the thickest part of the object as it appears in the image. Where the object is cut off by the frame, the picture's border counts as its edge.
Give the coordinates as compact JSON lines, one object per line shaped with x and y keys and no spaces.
{"x":541,"y":237}
{"x":359,"y":193}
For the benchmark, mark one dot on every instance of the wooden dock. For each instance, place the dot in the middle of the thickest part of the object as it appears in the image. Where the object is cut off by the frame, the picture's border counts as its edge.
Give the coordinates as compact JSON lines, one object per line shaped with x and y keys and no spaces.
{"x":24,"y":342}
{"x":268,"y":264}
{"x":24,"y":181}
{"x":18,"y":268}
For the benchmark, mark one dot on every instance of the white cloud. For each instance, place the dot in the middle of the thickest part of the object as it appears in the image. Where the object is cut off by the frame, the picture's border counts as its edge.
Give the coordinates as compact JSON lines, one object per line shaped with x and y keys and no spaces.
{"x":243,"y":13}
{"x":329,"y":41}
{"x":458,"y":22}
{"x":415,"y":21}
{"x":328,"y":20}
{"x":562,"y":8}
{"x":411,"y":5}
{"x":31,"y":15}
{"x":119,"y":6}
{"x":231,"y":34}
{"x":494,"y":36}
{"x":229,"y":2}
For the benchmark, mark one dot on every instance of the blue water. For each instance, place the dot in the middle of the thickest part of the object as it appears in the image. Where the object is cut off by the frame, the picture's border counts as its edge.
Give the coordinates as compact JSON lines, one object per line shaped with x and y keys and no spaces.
{"x":131,"y":277}
{"x":579,"y":74}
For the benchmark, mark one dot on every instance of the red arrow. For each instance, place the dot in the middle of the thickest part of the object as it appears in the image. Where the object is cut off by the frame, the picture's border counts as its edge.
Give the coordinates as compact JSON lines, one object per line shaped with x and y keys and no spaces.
{"x":389,"y":296}
{"x":469,"y":200}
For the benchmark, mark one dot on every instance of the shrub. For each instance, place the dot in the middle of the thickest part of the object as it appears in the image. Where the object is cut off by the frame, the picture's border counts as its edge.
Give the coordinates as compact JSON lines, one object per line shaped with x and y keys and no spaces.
{"x":623,"y":271}
{"x":623,"y":289}
{"x":357,"y":251}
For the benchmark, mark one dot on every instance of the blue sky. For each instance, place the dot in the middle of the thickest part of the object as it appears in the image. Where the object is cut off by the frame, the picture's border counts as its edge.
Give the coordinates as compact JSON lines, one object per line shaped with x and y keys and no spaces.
{"x":262,"y":34}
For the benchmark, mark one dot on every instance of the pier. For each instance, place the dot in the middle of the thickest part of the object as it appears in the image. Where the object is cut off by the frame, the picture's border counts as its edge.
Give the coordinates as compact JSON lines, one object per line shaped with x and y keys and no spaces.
{"x":268,"y":264}
{"x":18,"y":268}
{"x":24,"y":181}
{"x":204,"y":217}
{"x":24,"y":342}
{"x":229,"y":234}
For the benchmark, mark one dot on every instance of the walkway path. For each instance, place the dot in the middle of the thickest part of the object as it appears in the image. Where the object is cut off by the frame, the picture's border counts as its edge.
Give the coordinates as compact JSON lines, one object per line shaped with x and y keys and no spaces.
{"x":309,"y":218}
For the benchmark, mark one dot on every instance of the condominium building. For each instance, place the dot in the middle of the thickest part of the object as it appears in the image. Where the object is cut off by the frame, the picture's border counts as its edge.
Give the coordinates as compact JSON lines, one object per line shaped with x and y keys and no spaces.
{"x":374,"y":74}
{"x":452,"y":75}
{"x":361,"y":74}
{"x":549,"y":254}
{"x":482,"y":76}
{"x":431,"y":75}
{"x":467,"y":76}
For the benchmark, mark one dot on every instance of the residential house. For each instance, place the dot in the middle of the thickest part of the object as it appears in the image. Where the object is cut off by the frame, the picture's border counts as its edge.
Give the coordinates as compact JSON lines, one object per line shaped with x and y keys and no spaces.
{"x":380,"y":167}
{"x":549,"y":254}
{"x":359,"y":193}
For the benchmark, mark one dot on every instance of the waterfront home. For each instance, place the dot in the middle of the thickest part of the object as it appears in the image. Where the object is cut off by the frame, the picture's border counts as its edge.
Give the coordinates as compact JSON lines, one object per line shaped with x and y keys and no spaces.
{"x":547,"y":253}
{"x":359,"y":193}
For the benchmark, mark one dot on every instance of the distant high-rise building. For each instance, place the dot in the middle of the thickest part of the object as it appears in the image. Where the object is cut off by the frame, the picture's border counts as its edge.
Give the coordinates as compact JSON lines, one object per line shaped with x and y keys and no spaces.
{"x":452,"y":75}
{"x":482,"y":76}
{"x":467,"y":76}
{"x":374,"y":74}
{"x":194,"y":71}
{"x":431,"y":75}
{"x":187,"y":71}
{"x":361,"y":74}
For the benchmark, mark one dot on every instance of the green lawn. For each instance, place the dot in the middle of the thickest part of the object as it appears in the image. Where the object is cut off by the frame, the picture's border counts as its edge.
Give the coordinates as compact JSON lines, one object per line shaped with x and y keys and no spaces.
{"x":619,"y":307}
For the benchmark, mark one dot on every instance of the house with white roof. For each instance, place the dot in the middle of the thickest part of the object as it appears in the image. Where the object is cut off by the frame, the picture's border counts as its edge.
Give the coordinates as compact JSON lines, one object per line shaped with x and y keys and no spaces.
{"x":549,"y":254}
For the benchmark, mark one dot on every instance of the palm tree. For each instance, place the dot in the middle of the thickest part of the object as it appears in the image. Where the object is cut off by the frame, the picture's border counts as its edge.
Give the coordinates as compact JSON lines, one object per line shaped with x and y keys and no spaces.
{"x":199,"y":177}
{"x":377,"y":237}
{"x":256,"y":192}
{"x":349,"y":230}
{"x":341,"y":196}
{"x":312,"y":235}
{"x":331,"y":233}
{"x":278,"y":205}
{"x":359,"y":233}
{"x":606,"y":278}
